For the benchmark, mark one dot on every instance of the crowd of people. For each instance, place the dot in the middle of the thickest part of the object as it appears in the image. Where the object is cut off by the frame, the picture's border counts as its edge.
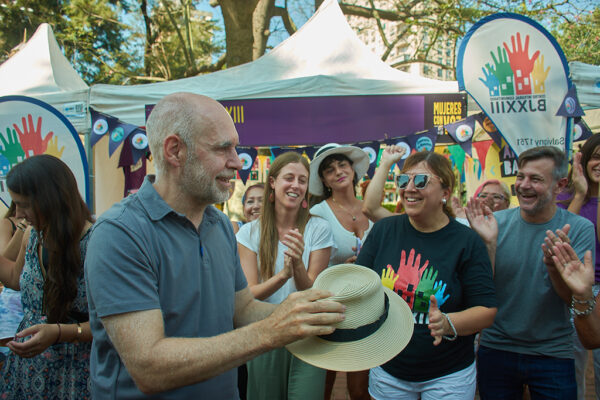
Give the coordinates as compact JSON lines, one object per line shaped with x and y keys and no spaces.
{"x":163,"y":297}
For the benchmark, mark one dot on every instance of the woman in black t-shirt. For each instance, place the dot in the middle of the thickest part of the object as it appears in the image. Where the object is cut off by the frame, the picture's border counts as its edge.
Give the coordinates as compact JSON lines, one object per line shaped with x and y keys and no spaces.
{"x":442,"y":270}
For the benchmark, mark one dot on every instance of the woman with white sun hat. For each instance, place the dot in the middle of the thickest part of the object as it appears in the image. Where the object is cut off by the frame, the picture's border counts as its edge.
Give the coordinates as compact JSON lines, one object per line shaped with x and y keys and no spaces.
{"x":334,"y":173}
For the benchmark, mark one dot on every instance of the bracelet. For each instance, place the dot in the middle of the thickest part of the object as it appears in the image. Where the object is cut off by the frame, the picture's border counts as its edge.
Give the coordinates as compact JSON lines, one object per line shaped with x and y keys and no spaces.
{"x":591,"y":303}
{"x":59,"y":332}
{"x":78,"y":334}
{"x":455,"y":334}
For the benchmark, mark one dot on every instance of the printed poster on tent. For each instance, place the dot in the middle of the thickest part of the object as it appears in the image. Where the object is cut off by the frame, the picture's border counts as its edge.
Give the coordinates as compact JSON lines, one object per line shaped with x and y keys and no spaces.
{"x":31,"y":127}
{"x":517,"y":73}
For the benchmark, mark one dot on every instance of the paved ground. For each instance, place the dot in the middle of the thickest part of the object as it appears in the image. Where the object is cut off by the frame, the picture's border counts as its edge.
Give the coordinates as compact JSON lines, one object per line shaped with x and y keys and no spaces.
{"x":339,"y":390}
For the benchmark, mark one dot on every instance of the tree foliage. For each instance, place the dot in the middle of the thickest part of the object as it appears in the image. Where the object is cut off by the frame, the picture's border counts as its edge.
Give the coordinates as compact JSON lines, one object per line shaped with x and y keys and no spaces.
{"x":137,"y":41}
{"x":580,"y":40}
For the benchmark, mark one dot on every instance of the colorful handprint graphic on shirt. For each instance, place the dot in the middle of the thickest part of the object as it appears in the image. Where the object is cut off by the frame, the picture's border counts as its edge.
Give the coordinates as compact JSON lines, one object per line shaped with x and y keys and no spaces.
{"x":425,"y":290}
{"x":414,"y":282}
{"x":31,"y":136}
{"x":409,"y":274}
{"x":520,"y":63}
{"x":389,"y":277}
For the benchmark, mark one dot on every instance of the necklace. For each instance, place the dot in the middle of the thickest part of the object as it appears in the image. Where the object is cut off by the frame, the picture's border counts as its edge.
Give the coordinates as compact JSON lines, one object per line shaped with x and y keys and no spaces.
{"x":343,"y":208}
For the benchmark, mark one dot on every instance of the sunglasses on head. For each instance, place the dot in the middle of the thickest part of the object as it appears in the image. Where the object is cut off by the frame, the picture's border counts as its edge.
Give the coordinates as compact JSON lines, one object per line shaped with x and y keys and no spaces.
{"x":420,"y":180}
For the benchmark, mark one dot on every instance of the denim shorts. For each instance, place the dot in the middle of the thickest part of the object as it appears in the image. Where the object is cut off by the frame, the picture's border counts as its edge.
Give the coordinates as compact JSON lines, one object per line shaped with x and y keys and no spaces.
{"x":459,"y":385}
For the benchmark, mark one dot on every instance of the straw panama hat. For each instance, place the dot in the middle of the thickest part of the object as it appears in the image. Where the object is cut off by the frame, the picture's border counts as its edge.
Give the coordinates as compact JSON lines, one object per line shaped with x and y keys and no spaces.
{"x":360,"y":164}
{"x":360,"y":290}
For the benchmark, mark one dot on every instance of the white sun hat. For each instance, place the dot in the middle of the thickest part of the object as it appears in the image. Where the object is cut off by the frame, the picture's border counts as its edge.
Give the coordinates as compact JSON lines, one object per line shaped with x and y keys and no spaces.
{"x":370,"y":335}
{"x":360,"y":164}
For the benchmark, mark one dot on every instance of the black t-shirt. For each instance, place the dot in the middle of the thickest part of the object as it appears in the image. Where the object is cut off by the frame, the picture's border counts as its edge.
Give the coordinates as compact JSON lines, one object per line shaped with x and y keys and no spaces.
{"x":452,"y":264}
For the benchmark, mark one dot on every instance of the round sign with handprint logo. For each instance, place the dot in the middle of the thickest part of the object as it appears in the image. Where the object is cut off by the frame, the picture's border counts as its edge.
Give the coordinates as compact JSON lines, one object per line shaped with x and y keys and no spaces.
{"x":517,"y":73}
{"x":30,"y":127}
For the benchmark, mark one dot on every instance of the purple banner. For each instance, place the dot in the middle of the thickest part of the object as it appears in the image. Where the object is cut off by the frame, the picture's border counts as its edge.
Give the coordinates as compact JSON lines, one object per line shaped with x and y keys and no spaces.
{"x":341,"y":119}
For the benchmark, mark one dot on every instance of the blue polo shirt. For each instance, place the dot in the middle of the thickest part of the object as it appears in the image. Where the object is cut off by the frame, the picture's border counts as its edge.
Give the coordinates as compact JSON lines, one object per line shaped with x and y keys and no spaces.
{"x":143,"y":255}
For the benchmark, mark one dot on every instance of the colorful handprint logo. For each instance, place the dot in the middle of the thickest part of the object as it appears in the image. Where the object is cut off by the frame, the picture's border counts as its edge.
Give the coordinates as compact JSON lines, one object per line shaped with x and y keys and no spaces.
{"x":415,"y":282}
{"x":514,"y":71}
{"x":26,"y":140}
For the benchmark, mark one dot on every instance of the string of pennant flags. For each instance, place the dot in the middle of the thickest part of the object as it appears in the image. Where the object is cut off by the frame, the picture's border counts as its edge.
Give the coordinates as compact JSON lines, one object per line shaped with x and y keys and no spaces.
{"x":135,"y":142}
{"x":461,"y":131}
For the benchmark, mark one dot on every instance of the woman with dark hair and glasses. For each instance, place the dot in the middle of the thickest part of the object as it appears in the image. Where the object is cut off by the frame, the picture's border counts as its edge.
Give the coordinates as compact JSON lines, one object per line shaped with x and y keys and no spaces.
{"x":51,"y":352}
{"x":442,"y":270}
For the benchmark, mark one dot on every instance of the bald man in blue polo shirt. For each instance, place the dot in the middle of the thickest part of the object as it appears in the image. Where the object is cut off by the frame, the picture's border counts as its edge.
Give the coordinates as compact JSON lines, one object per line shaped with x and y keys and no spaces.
{"x":170,"y":309}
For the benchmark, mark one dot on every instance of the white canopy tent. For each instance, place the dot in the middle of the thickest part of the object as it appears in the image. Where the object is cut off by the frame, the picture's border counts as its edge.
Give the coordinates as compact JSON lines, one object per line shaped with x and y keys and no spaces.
{"x":323,"y":58}
{"x":40,"y":69}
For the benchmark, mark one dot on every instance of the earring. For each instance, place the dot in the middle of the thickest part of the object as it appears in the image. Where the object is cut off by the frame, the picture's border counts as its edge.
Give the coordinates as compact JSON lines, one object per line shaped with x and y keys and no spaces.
{"x":304,"y":203}
{"x":271,"y":197}
{"x":444,"y":201}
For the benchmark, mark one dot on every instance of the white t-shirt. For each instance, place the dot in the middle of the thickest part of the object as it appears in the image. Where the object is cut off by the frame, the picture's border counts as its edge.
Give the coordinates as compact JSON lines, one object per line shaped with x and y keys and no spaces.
{"x":317,"y":235}
{"x":344,"y":239}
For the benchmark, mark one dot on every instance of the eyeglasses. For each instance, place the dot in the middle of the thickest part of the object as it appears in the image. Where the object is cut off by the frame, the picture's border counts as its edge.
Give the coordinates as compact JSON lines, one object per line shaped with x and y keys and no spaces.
{"x":495,"y":197}
{"x":420,"y":180}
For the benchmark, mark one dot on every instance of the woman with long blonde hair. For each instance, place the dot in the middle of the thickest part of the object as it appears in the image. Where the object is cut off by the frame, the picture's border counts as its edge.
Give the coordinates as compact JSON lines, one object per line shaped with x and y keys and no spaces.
{"x":282,"y":252}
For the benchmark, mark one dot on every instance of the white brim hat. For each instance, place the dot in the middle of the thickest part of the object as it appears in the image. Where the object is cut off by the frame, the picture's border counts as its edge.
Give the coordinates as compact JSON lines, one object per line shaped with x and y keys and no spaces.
{"x":368,"y":336}
{"x":360,"y":164}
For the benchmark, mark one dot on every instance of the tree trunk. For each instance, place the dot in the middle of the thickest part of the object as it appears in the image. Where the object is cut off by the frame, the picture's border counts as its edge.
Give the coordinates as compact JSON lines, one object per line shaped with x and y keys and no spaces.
{"x":239,"y":39}
{"x":261,"y":22}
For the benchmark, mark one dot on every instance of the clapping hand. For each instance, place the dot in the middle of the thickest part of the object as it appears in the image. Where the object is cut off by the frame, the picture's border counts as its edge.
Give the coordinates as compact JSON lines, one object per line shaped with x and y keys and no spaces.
{"x":578,"y":178}
{"x":482,"y":220}
{"x":578,"y":276}
{"x":552,"y":239}
{"x":295,"y":247}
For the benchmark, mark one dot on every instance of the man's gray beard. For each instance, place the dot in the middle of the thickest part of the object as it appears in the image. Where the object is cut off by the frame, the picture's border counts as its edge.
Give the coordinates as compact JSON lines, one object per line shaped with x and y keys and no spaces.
{"x":542,"y":202}
{"x":198,"y":185}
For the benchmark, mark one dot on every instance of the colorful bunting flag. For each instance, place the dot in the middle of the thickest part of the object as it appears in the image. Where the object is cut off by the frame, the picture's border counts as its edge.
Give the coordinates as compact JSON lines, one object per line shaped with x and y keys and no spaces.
{"x":482,"y":149}
{"x":423,"y":141}
{"x":462,"y":132}
{"x":580,"y":130}
{"x":139,"y":144}
{"x":570,"y":106}
{"x":101,"y":125}
{"x":247,"y":156}
{"x":372,"y":150}
{"x":118,"y":134}
{"x":457,"y":156}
